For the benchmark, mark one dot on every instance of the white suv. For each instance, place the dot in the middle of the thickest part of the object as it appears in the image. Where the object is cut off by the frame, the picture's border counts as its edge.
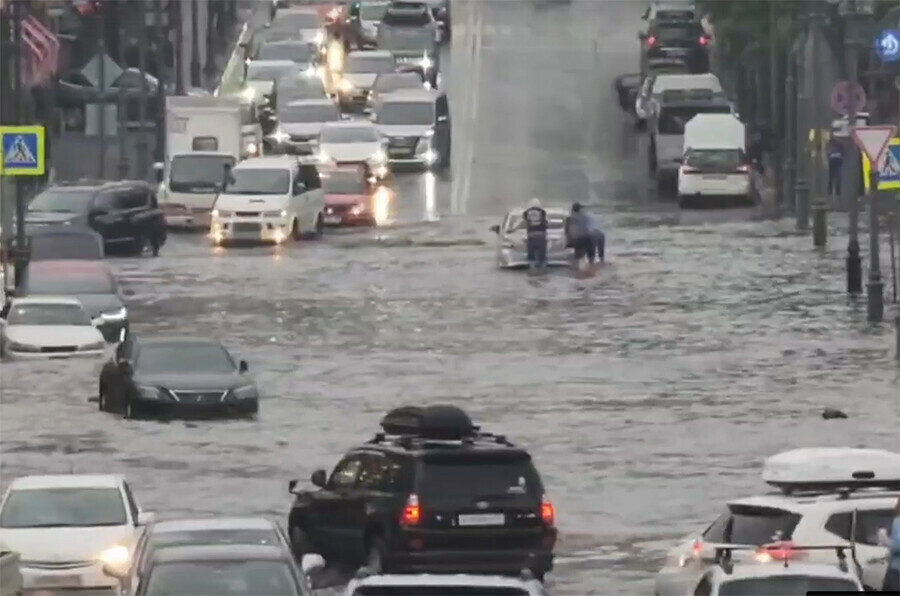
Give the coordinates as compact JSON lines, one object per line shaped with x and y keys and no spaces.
{"x":367,"y":584}
{"x":824,"y":493}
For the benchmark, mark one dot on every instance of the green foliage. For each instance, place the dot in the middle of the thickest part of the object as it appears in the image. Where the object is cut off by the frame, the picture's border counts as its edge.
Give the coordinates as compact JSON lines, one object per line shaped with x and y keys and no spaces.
{"x":740,"y":23}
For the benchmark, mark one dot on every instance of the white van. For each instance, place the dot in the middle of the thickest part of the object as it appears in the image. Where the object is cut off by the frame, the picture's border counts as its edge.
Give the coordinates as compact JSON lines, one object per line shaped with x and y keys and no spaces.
{"x":655,"y":84}
{"x":271,"y":200}
{"x":714,"y":162}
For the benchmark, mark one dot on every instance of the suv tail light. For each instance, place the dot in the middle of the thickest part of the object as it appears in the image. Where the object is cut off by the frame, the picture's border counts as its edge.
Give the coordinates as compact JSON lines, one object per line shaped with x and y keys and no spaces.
{"x":412,"y":513}
{"x":744,"y":168}
{"x":779,"y":551}
{"x":704,"y":40}
{"x":548,"y":512}
{"x":651,"y":41}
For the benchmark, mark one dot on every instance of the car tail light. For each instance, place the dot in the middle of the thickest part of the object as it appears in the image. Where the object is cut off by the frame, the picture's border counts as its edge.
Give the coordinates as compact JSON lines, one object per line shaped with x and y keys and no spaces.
{"x":779,"y":551}
{"x":412,"y":513}
{"x":548,"y":512}
{"x":744,"y":168}
{"x":651,"y":41}
{"x":704,"y":41}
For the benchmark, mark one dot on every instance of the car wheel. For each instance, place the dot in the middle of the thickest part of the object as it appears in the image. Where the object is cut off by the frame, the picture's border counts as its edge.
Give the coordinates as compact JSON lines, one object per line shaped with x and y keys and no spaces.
{"x":300,"y":543}
{"x":252,"y":409}
{"x":375,"y":554}
{"x":143,"y":246}
{"x":320,"y":226}
{"x":295,"y":230}
{"x":130,"y":410}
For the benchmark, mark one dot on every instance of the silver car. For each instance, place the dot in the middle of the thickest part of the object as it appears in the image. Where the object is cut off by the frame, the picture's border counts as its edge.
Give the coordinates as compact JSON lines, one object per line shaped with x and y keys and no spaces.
{"x":511,"y":254}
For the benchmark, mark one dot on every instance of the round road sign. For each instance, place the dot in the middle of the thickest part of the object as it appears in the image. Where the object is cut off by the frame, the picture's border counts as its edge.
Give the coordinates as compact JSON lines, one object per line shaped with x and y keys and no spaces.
{"x":845,"y":92}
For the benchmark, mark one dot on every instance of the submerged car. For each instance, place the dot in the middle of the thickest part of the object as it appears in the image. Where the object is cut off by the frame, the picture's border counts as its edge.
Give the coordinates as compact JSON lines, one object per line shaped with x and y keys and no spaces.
{"x":166,"y":375}
{"x":512,"y":253}
{"x":48,"y":327}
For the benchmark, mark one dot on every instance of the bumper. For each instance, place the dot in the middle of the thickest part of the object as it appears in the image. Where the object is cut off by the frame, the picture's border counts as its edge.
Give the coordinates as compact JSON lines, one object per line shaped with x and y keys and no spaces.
{"x":90,"y":579}
{"x":510,"y":258}
{"x":158,"y":406}
{"x":274,"y":230}
{"x":190,"y":221}
{"x":353,"y":100}
{"x":426,"y":158}
{"x":364,"y":218}
{"x":472,"y":561}
{"x":14,"y":355}
{"x":699,"y":185}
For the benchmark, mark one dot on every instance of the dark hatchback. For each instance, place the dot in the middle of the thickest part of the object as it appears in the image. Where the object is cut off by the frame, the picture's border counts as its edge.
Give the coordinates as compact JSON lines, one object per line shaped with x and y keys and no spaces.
{"x":166,"y":375}
{"x":419,"y":499}
{"x":685,"y":41}
{"x":91,"y":282}
{"x":125,"y":214}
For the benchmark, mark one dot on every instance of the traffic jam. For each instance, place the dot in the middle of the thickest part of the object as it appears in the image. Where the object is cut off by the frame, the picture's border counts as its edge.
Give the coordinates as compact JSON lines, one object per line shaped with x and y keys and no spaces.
{"x":337,"y":104}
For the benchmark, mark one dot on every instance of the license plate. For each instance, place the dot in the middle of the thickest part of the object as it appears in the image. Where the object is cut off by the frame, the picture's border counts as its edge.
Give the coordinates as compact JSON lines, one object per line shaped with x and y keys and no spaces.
{"x":719,"y":177}
{"x":59,"y":581}
{"x":482,"y":519}
{"x":398,"y":151}
{"x":333,"y":219}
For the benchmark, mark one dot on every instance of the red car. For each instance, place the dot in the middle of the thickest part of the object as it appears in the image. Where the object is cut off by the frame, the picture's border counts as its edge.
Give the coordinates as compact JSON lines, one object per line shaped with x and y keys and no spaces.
{"x":349,"y":197}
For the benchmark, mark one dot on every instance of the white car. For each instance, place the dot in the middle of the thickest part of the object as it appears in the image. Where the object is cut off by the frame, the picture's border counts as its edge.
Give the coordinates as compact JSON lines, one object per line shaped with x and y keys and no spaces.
{"x":358,"y":75}
{"x":304,"y":22}
{"x":271,"y":200}
{"x":512,"y":254}
{"x":444,"y":585}
{"x":67,"y":527}
{"x":49,"y":327}
{"x":775,"y":573}
{"x":826,"y":493}
{"x":351,"y":143}
{"x":300,"y":122}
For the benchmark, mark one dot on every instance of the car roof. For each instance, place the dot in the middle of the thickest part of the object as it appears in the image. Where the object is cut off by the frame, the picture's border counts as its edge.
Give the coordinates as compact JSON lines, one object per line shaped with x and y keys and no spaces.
{"x":800,"y":504}
{"x":164,"y":340}
{"x":426,"y":579}
{"x":371,"y":53}
{"x":350,"y":124}
{"x":67,"y":481}
{"x":85,"y":266}
{"x":89,"y":184}
{"x":213,"y":523}
{"x":409,"y":96}
{"x":273,"y":63}
{"x":284,"y":42}
{"x":218,"y":552}
{"x":45,"y":300}
{"x":318,"y":101}
{"x":259,"y":163}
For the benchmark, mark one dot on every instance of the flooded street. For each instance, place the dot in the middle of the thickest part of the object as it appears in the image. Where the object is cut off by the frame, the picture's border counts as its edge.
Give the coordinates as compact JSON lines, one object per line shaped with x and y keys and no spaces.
{"x":648,"y":395}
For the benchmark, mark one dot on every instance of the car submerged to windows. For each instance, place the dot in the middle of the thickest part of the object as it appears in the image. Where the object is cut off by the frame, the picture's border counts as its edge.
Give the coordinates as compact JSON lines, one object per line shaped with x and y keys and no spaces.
{"x":48,"y":327}
{"x":512,"y":253}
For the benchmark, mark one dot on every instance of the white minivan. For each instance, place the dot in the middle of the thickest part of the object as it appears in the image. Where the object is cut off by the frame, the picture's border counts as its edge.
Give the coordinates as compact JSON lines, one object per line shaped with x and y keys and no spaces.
{"x":714,"y":162}
{"x":271,"y":200}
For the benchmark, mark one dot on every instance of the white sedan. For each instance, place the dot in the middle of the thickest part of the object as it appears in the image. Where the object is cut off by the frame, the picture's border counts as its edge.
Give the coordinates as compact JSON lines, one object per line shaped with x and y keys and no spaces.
{"x":352,"y":143}
{"x":512,"y":253}
{"x":48,"y":327}
{"x":67,"y":527}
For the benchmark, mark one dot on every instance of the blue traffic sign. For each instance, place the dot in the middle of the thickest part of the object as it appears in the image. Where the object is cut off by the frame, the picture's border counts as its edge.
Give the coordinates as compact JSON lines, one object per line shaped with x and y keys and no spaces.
{"x":889,"y":174}
{"x":887,"y":45}
{"x":22,"y":151}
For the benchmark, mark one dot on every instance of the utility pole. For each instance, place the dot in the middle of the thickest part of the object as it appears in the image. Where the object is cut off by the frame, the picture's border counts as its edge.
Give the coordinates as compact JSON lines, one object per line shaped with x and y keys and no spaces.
{"x":100,"y":106}
{"x":123,"y":133}
{"x":819,"y":208}
{"x":21,"y":259}
{"x":788,"y":198}
{"x":213,"y":24}
{"x":142,"y":101}
{"x":875,"y":287}
{"x":775,"y":116}
{"x":801,"y":188}
{"x":195,"y":44}
{"x":160,"y":149}
{"x":175,"y":14}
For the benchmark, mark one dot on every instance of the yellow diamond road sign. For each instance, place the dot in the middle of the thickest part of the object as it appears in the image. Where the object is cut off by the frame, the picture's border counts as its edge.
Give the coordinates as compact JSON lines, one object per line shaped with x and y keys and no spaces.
{"x":22,"y":151}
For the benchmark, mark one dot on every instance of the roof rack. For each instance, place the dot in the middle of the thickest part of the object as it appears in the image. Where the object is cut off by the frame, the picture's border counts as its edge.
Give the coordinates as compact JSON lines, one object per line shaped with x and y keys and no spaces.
{"x":432,"y":427}
{"x":840,"y":470}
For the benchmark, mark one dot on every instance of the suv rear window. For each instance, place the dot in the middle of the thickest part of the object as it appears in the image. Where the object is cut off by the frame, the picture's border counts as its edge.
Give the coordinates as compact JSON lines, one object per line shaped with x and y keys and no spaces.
{"x":748,"y":524}
{"x":439,"y":591}
{"x":477,"y":476}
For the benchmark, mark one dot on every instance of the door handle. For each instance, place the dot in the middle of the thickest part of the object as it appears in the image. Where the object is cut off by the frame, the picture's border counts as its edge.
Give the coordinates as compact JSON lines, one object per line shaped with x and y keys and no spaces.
{"x":876,"y":560}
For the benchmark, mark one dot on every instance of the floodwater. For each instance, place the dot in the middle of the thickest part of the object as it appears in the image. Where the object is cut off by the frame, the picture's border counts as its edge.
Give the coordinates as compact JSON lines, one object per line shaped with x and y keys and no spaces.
{"x":648,"y":394}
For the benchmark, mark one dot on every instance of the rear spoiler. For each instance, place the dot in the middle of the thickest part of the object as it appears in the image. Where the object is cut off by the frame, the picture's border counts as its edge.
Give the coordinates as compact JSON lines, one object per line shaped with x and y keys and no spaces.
{"x":777,"y":551}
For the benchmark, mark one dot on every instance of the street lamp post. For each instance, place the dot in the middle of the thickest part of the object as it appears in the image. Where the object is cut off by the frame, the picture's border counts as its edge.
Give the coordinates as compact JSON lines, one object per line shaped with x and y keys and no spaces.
{"x":142,"y":101}
{"x":160,"y":149}
{"x":819,"y":208}
{"x":195,"y":44}
{"x":175,"y":18}
{"x":875,"y":286}
{"x":801,"y":187}
{"x":21,"y":253}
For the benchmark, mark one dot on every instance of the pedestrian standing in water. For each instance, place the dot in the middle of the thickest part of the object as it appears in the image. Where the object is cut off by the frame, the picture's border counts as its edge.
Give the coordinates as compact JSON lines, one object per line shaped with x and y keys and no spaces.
{"x":598,"y":238}
{"x":535,"y":218}
{"x":892,"y":542}
{"x":835,"y":152}
{"x":579,"y":235}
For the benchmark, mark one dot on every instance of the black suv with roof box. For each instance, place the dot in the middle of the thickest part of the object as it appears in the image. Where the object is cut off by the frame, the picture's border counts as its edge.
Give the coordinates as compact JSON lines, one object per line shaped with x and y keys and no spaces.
{"x":432,"y":493}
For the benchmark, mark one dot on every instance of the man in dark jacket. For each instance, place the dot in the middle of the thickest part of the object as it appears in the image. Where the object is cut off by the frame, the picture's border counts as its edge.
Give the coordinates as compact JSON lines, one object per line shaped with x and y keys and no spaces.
{"x":579,"y":236}
{"x":535,"y":218}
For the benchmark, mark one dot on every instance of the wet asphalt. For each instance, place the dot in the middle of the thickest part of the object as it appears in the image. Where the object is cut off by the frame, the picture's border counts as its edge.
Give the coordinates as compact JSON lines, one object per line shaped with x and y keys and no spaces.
{"x":648,"y":394}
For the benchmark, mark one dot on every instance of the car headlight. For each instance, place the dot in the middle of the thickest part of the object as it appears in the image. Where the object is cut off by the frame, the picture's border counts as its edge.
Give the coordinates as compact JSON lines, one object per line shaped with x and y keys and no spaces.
{"x":97,"y":345}
{"x":249,"y":93}
{"x":324,"y":158}
{"x":275,"y":213}
{"x":426,"y":63}
{"x":148,"y":391}
{"x":345,"y":86}
{"x":221,"y":213}
{"x":117,"y":556}
{"x":245,"y":392}
{"x":116,"y":315}
{"x":357,"y":209}
{"x":428,"y":134}
{"x":379,"y":157}
{"x":17,"y":347}
{"x":280,"y":136}
{"x":320,"y":37}
{"x":251,"y":148}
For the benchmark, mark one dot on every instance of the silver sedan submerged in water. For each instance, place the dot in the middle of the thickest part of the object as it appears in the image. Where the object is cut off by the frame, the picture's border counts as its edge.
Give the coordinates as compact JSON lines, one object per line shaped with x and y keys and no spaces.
{"x":512,"y":254}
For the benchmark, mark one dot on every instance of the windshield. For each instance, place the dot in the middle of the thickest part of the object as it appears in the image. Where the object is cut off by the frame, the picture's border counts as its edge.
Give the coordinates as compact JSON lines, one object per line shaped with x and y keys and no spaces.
{"x":268,"y":181}
{"x":442,"y":590}
{"x":161,"y":539}
{"x":344,"y":183}
{"x":189,"y":172}
{"x":297,"y":52}
{"x":60,"y":507}
{"x":221,"y":578}
{"x":48,"y":314}
{"x":681,"y":32}
{"x":672,"y":120}
{"x":269,"y":72}
{"x":184,"y":358}
{"x":392,"y":82}
{"x":401,"y":113}
{"x":347,"y":134}
{"x":369,"y":64}
{"x":725,"y":159}
{"x":63,"y":284}
{"x":414,"y":16}
{"x":516,"y":223}
{"x":62,"y":201}
{"x":297,"y":20}
{"x":302,"y":88}
{"x":777,"y":585}
{"x":477,"y":477}
{"x":315,"y":113}
{"x":372,"y":11}
{"x":671,"y":14}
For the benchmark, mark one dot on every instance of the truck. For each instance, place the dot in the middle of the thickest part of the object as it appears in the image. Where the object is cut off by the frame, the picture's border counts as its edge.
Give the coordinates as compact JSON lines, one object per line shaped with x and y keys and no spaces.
{"x":204,"y":135}
{"x":410,"y":32}
{"x":10,"y":575}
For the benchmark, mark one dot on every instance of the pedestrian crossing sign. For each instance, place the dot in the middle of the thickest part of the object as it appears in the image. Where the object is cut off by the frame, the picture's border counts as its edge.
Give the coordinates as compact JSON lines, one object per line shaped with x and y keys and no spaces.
{"x":889,"y":168}
{"x":22,"y":151}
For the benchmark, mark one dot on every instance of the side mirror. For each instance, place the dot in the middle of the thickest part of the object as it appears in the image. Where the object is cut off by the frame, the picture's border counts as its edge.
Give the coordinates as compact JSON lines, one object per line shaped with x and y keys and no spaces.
{"x":115,"y":572}
{"x":145,"y":519}
{"x":311,"y":563}
{"x":443,"y":118}
{"x":292,"y":486}
{"x":243,"y":366}
{"x":318,"y":478}
{"x":495,"y":229}
{"x":159,"y":166}
{"x":299,"y":188}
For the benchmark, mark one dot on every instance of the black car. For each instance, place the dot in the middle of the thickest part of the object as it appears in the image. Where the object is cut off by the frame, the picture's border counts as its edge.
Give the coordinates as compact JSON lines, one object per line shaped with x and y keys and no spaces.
{"x":213,"y":570}
{"x":90,"y":281}
{"x":432,"y":493}
{"x":682,"y":40}
{"x":125,"y":213}
{"x":163,"y":375}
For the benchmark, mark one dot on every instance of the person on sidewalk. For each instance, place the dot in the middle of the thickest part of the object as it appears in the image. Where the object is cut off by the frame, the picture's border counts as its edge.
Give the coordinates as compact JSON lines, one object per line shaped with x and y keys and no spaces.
{"x":892,"y":542}
{"x":834,"y":150}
